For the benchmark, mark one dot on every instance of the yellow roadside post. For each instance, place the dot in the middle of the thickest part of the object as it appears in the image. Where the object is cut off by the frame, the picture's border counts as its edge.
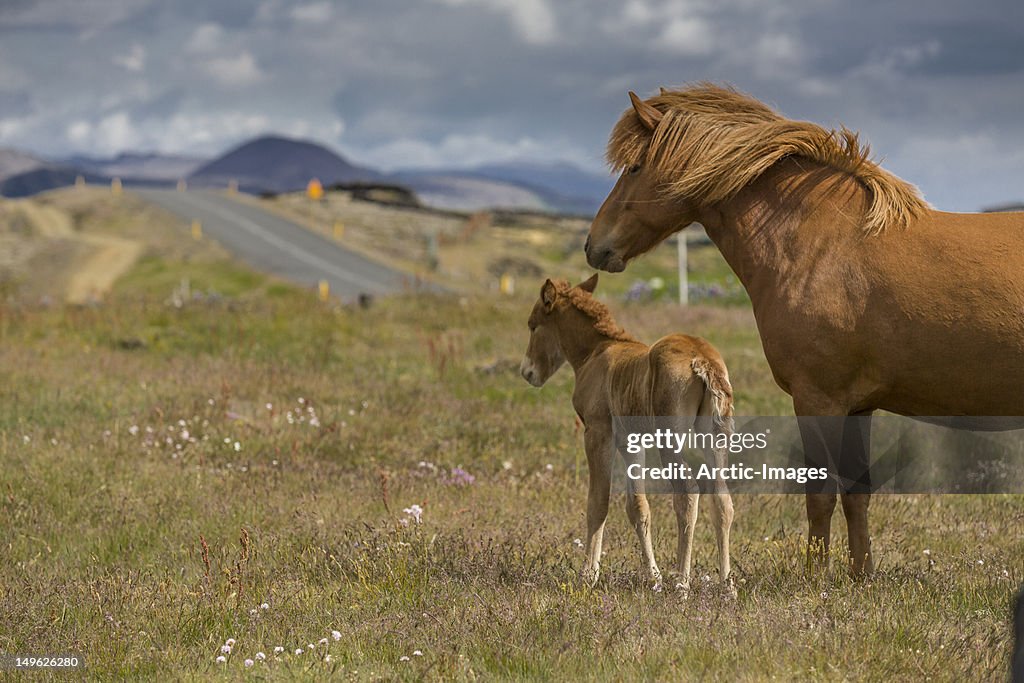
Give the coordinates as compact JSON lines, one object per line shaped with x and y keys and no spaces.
{"x":339,"y":230}
{"x":232,"y":186}
{"x":182,"y":185}
{"x":115,"y":187}
{"x":197,"y":229}
{"x":507,"y":284}
{"x":315,"y":190}
{"x":324,"y":290}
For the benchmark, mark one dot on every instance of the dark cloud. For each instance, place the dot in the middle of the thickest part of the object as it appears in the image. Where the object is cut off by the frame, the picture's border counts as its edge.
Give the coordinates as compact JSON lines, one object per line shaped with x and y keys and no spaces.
{"x":937,"y":88}
{"x":15,"y":104}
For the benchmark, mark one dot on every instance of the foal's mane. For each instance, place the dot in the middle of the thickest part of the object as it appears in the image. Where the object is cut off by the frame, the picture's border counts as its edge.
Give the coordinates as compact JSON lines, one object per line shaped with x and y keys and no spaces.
{"x":583,"y":302}
{"x":713,"y":141}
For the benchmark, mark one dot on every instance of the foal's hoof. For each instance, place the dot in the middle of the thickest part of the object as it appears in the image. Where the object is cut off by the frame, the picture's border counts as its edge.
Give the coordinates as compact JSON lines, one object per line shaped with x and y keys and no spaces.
{"x":588,"y":578}
{"x":683,"y":590}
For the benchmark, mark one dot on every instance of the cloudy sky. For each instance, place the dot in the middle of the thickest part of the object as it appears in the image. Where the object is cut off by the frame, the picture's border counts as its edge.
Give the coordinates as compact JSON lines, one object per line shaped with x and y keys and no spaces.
{"x":937,"y":87}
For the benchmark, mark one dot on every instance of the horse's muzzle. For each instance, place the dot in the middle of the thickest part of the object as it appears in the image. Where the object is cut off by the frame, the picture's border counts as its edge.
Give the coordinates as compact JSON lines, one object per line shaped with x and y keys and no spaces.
{"x":605,"y":260}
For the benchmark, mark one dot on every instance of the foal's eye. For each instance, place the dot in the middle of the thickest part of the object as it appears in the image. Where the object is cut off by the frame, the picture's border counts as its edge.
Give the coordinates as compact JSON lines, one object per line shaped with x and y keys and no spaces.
{"x":633,"y":170}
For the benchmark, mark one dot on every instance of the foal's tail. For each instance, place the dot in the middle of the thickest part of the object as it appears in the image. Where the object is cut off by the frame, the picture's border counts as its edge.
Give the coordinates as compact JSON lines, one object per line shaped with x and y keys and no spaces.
{"x":717,"y":400}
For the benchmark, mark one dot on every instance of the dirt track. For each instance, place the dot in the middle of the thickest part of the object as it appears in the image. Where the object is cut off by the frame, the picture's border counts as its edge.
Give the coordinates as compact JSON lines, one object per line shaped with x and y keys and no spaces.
{"x":107,"y":258}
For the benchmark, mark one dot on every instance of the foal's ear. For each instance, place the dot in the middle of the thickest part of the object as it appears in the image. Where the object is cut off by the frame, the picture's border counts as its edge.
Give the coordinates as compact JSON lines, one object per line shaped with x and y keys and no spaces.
{"x":649,"y":116}
{"x":548,"y":294}
{"x":590,"y":284}
{"x":662,"y":91}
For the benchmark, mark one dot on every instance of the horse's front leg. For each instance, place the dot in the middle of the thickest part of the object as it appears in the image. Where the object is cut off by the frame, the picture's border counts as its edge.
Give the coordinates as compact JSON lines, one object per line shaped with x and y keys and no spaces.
{"x":598,"y":443}
{"x":821,"y":438}
{"x":854,"y":469}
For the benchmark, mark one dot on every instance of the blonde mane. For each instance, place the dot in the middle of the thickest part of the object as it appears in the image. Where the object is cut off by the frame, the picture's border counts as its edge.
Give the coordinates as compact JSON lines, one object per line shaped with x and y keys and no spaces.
{"x":583,"y":302}
{"x":714,"y":141}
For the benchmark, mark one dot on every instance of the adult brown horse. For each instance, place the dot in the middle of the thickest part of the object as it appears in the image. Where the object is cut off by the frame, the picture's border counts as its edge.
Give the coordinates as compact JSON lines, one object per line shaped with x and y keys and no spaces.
{"x":865,"y":297}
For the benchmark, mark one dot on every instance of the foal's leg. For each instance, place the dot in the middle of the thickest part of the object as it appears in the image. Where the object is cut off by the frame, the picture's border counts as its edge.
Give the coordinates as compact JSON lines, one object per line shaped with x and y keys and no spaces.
{"x":721,"y":518}
{"x":685,"y":503}
{"x":685,"y":497}
{"x":598,"y":442}
{"x":639,"y":513}
{"x":854,"y":468}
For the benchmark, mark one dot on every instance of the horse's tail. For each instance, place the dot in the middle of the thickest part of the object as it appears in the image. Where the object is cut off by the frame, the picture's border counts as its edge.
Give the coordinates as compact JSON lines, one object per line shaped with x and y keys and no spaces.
{"x":717,"y":401}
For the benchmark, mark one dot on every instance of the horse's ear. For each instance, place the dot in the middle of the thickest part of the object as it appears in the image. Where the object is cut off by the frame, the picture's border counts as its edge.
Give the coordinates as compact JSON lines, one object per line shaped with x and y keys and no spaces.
{"x":649,"y":116}
{"x":590,"y":284}
{"x":548,"y":293}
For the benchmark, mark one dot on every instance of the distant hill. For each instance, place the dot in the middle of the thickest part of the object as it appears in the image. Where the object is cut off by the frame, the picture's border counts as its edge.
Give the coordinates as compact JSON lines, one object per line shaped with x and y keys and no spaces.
{"x":278,"y":164}
{"x":558,"y":187}
{"x":1013,"y":206}
{"x":560,"y":180}
{"x":463,"y":192}
{"x":144,"y":166}
{"x":13,"y":162}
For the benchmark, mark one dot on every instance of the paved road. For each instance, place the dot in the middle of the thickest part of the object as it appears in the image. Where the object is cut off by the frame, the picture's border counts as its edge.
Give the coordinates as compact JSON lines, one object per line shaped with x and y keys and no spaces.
{"x":276,"y":245}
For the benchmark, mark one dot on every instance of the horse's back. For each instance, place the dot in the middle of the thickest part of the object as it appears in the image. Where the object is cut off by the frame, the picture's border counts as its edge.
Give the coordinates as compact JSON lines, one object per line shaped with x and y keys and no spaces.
{"x":681,"y":368}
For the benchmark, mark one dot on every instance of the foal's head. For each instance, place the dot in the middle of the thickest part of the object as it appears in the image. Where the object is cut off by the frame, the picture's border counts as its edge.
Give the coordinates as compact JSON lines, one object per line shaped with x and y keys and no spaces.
{"x":544,"y":353}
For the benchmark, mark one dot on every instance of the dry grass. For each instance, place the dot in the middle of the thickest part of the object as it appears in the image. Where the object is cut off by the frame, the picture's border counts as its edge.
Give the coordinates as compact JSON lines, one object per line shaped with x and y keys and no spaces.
{"x":146,"y":550}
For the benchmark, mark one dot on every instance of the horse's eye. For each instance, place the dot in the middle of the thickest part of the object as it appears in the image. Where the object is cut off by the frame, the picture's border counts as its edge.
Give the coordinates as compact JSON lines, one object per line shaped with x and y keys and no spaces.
{"x":633,"y":170}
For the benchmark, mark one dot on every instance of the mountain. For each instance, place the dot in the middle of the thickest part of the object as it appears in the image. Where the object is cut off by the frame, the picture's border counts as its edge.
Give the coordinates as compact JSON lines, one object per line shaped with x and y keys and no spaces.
{"x":559,"y":187}
{"x":143,"y":166}
{"x":13,"y":162}
{"x":461,"y":192}
{"x":45,"y":178}
{"x":278,"y":164}
{"x":560,"y":179}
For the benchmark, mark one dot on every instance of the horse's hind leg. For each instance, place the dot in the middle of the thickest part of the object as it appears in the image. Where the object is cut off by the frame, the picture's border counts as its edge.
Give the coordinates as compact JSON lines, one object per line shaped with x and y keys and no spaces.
{"x":685,"y":503}
{"x":639,"y":512}
{"x":721,"y":518}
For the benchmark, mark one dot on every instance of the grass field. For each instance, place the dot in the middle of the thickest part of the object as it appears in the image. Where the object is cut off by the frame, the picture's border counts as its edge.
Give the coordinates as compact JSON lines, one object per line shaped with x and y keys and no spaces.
{"x":242,"y":462}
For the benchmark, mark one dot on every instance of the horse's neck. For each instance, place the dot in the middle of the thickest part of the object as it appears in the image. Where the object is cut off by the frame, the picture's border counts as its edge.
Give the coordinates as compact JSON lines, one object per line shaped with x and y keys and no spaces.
{"x":771,"y":231}
{"x":579,"y":341}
